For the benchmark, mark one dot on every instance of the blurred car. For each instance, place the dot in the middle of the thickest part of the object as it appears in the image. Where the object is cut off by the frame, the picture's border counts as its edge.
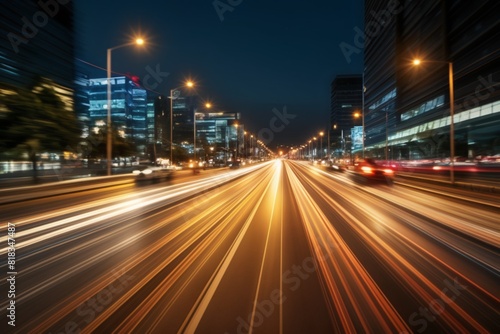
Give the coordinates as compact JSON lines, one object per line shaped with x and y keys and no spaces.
{"x":339,"y":165}
{"x":235,"y":164}
{"x":366,"y":170}
{"x":152,"y":174}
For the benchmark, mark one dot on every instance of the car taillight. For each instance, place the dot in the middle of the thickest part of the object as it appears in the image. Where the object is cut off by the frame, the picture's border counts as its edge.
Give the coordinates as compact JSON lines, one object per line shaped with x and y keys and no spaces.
{"x":367,"y":170}
{"x":388,"y":171}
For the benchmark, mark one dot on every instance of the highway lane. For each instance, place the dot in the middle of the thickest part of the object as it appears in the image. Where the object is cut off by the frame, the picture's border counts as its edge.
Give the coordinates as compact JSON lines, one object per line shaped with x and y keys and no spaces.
{"x":281,"y":247}
{"x":418,"y":246}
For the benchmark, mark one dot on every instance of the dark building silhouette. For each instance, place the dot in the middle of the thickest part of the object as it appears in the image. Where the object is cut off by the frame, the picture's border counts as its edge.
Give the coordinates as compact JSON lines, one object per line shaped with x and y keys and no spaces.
{"x":184,"y":108}
{"x":346,"y":101}
{"x":38,"y":43}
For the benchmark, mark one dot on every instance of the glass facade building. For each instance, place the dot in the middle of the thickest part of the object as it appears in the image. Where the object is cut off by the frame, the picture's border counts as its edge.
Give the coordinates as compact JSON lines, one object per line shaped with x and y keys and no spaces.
{"x":35,"y":44}
{"x":129,"y":109}
{"x":220,"y":130}
{"x":184,"y":108}
{"x":38,"y":45}
{"x":217,"y":128}
{"x":407,"y":107}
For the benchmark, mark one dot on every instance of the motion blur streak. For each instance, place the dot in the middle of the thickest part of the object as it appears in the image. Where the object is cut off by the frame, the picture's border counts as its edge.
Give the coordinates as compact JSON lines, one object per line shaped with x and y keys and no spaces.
{"x":346,"y":280}
{"x":278,"y":247}
{"x":390,"y":256}
{"x":210,"y":290}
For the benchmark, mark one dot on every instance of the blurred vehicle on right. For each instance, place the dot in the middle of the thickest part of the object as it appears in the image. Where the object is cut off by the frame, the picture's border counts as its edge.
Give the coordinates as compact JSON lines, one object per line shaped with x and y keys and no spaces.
{"x":367,"y":170}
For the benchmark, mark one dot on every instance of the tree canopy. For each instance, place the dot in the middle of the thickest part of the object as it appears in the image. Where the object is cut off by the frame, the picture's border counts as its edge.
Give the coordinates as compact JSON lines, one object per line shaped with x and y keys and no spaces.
{"x":35,"y":120}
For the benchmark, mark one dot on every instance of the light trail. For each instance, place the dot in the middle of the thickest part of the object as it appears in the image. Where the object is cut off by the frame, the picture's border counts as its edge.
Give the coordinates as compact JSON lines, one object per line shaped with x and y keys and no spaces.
{"x":339,"y":272}
{"x":213,"y":254}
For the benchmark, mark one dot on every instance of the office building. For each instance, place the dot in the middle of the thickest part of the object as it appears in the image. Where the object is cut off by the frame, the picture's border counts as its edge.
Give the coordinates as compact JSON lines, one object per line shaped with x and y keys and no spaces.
{"x":407,"y":107}
{"x":184,"y":108}
{"x":345,"y":111}
{"x":37,"y":45}
{"x":129,"y":108}
{"x":220,"y":130}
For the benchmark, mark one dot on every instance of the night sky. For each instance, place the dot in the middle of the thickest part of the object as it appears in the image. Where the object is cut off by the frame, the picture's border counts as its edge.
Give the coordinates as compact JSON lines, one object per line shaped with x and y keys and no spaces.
{"x":255,"y":57}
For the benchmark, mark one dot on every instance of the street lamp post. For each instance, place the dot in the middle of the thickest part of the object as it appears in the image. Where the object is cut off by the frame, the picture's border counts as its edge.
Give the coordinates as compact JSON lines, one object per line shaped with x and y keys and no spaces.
{"x":321,"y":144}
{"x":237,"y":142}
{"x":334,"y":127}
{"x":109,"y":155}
{"x":245,"y":153}
{"x":329,"y":154}
{"x":452,"y":114}
{"x":452,"y":122}
{"x":194,"y":136}
{"x":363,"y":113}
{"x":208,"y":105}
{"x":188,"y":84}
{"x":314,"y":148}
{"x":251,"y":147}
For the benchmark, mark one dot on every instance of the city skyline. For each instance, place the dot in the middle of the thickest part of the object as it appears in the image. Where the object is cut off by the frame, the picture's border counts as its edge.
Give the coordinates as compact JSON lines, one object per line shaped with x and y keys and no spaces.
{"x":258,"y":59}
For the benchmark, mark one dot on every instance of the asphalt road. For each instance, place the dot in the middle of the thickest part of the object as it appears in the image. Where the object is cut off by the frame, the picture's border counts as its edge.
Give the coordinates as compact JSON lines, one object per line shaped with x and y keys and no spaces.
{"x":280,"y":247}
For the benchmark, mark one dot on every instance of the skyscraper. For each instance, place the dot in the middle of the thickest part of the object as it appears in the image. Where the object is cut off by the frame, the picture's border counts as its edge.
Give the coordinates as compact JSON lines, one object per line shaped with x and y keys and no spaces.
{"x":346,"y":100}
{"x":38,"y":43}
{"x":128,"y":109}
{"x":407,"y":108}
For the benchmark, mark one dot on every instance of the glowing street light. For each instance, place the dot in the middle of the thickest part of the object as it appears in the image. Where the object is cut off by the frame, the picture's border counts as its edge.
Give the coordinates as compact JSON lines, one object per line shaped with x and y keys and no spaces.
{"x":321,"y":144}
{"x":237,"y":141}
{"x":417,"y":62}
{"x":208,"y":105}
{"x":361,"y":115}
{"x":251,"y":146}
{"x":109,"y":155}
{"x":314,"y":149}
{"x":188,"y":84}
{"x":245,"y":146}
